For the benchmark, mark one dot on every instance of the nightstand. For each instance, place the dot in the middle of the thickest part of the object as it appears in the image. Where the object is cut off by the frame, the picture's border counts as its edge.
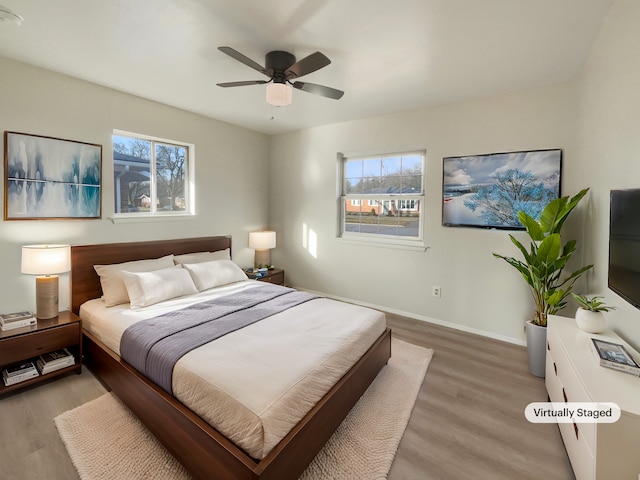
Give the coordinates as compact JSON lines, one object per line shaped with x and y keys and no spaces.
{"x":27,"y":343}
{"x":273,"y":276}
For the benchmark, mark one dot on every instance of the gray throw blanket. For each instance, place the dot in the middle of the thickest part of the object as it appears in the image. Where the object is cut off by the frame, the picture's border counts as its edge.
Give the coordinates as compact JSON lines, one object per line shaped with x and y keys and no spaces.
{"x":153,"y":346}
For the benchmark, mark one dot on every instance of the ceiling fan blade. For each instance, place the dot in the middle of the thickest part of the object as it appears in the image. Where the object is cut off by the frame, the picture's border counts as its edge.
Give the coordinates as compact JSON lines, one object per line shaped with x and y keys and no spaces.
{"x":242,"y":84}
{"x":309,"y":64}
{"x":319,"y":90}
{"x":243,"y":59}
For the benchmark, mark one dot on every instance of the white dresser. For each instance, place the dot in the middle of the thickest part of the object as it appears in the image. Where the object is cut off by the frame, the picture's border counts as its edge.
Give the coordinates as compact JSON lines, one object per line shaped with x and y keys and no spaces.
{"x":603,"y":451}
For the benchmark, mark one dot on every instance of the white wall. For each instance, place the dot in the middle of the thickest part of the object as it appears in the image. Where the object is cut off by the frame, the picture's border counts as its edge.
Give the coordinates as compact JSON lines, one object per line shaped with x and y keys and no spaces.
{"x":479,"y":292}
{"x":231,"y":165}
{"x":609,"y":142}
{"x":594,"y":120}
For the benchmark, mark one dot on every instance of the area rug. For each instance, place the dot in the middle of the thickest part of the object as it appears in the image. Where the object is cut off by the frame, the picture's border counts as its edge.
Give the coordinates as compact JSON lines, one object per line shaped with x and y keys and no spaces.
{"x":107,"y":442}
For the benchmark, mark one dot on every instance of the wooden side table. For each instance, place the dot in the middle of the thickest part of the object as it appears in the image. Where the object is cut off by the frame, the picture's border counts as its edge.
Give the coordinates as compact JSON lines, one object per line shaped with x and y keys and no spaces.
{"x":273,"y":276}
{"x":27,"y":343}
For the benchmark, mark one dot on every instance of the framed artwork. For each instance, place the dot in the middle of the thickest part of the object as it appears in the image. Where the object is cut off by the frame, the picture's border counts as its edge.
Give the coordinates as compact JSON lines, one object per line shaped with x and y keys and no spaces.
{"x":488,"y":191}
{"x":50,"y":178}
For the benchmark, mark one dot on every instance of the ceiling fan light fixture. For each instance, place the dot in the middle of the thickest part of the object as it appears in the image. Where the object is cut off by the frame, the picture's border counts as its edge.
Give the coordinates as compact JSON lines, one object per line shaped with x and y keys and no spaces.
{"x":6,"y":14}
{"x":279,"y":94}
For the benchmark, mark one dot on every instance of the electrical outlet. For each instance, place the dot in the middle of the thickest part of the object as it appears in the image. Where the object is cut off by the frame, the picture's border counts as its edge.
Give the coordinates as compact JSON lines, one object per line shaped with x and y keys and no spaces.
{"x":436,"y":292}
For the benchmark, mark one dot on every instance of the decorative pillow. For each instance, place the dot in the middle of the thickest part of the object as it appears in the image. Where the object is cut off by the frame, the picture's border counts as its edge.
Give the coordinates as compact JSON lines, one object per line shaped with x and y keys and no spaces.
{"x":215,"y":274}
{"x":114,"y":291}
{"x":147,"y":288}
{"x":200,"y":257}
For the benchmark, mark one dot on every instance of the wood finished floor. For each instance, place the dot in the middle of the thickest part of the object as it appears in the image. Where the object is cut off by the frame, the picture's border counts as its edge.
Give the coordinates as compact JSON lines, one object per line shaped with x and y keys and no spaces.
{"x":468,"y":421}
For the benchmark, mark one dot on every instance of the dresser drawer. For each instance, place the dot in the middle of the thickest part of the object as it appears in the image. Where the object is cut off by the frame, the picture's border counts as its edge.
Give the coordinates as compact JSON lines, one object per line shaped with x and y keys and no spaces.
{"x":39,"y":342}
{"x":580,"y":453}
{"x":551,"y":380}
{"x":563,"y":384}
{"x":582,"y":460}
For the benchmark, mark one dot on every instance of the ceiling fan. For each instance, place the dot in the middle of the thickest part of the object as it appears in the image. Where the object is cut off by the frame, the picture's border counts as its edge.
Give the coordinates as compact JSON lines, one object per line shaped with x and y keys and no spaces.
{"x":281,"y":68}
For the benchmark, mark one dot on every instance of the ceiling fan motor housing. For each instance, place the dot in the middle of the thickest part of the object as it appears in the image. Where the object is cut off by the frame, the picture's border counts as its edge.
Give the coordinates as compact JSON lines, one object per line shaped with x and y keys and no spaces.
{"x":278,"y":62}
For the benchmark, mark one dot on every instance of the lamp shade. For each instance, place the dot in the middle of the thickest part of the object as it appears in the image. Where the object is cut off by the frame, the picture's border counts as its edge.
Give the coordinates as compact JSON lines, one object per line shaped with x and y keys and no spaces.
{"x":279,"y":94}
{"x":46,"y":259}
{"x":262,"y":240}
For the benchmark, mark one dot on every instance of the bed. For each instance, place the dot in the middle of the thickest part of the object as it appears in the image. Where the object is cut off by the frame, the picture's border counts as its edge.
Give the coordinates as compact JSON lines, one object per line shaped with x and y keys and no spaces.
{"x":202,"y":449}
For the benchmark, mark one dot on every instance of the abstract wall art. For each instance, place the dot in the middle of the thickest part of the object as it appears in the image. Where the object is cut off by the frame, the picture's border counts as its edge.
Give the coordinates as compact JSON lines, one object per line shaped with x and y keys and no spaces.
{"x":51,"y":178}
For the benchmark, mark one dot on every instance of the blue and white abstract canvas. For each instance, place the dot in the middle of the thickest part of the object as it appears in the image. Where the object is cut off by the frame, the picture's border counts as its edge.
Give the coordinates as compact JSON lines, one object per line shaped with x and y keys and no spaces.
{"x":50,"y":178}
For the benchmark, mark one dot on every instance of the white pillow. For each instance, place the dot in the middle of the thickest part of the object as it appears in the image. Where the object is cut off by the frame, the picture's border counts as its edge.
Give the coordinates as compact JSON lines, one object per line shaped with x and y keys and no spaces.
{"x":200,"y":257}
{"x":215,"y":274}
{"x":147,"y":288}
{"x":114,"y":291}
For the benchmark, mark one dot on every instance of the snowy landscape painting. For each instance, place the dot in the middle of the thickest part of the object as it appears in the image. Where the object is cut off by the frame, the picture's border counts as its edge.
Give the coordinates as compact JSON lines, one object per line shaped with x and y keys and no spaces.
{"x":51,"y":178}
{"x":488,"y":191}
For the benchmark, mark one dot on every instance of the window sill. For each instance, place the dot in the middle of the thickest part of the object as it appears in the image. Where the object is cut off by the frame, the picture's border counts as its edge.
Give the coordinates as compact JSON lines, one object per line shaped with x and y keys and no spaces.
{"x":414,"y":246}
{"x":168,"y":217}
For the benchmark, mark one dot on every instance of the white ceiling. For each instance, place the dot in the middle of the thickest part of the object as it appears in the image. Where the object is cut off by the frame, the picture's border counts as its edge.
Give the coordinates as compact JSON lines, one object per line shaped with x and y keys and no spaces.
{"x":387,"y":55}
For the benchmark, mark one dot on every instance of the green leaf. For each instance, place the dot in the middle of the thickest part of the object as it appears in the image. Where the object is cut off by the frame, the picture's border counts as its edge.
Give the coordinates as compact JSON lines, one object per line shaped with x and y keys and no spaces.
{"x":577,"y":274}
{"x":532,"y":227}
{"x":557,"y":211}
{"x":551,"y":213}
{"x":520,"y":247}
{"x":569,"y":248}
{"x":554,"y":297}
{"x":549,"y":249}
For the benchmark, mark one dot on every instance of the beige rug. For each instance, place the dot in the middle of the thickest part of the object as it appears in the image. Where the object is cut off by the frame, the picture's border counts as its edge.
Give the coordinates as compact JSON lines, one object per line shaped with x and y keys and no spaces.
{"x":107,"y":442}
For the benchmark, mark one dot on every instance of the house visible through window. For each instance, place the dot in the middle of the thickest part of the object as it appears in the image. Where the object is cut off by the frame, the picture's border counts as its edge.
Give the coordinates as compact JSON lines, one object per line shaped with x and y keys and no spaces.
{"x":392,"y":186}
{"x":151,"y":176}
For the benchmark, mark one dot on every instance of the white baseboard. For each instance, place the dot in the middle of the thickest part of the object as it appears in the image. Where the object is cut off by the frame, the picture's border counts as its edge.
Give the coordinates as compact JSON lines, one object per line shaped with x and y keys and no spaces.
{"x":422,"y":318}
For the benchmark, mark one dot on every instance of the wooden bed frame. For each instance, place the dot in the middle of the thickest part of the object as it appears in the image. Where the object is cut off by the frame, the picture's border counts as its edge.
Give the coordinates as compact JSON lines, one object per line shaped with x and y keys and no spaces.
{"x":202,"y":450}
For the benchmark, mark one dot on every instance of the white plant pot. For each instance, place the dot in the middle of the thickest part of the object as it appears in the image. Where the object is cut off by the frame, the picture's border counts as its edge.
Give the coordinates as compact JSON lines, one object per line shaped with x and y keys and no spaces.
{"x":590,"y":322}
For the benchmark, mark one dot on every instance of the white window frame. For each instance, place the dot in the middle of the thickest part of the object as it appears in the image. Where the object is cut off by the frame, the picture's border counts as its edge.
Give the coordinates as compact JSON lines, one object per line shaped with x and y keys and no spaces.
{"x":189,"y":193}
{"x":404,"y":208}
{"x":412,"y":243}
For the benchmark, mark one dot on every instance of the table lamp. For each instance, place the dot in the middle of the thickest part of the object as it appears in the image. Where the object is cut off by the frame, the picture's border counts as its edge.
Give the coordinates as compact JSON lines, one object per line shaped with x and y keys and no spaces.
{"x":46,"y":261}
{"x":262,"y":242}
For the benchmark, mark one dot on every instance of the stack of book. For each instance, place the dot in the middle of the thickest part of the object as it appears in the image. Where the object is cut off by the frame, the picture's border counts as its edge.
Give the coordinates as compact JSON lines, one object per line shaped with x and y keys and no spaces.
{"x":614,"y":355}
{"x":52,"y":361}
{"x":19,"y":373}
{"x":10,"y":321}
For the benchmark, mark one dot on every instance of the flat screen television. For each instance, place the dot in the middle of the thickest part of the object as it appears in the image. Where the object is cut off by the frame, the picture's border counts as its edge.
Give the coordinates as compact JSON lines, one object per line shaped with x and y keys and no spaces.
{"x":624,"y":245}
{"x":488,"y":191}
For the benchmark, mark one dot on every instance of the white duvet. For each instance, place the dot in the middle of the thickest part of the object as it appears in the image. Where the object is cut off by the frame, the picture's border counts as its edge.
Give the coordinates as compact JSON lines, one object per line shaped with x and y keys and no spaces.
{"x":255,"y":384}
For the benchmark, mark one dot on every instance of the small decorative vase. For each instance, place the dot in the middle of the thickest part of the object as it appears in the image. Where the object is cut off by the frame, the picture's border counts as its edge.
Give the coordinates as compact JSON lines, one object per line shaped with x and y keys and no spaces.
{"x":589,"y":321}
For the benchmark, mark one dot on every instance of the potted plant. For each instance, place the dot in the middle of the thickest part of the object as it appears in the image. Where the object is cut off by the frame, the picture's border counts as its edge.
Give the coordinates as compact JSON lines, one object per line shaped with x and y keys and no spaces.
{"x":542,"y":267}
{"x":590,"y":316}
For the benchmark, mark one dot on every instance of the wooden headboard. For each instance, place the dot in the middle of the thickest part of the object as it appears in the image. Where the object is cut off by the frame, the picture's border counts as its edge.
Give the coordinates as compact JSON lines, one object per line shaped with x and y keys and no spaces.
{"x":85,"y":283}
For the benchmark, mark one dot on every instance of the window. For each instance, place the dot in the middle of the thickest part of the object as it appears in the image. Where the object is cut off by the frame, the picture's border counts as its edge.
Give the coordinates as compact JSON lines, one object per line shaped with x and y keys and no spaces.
{"x":403,"y":205}
{"x":392,"y":186}
{"x":151,"y":175}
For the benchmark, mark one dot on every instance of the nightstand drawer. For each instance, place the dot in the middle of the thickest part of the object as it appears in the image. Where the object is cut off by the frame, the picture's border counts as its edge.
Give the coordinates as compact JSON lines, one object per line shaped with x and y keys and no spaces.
{"x":39,"y":342}
{"x":277,"y":278}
